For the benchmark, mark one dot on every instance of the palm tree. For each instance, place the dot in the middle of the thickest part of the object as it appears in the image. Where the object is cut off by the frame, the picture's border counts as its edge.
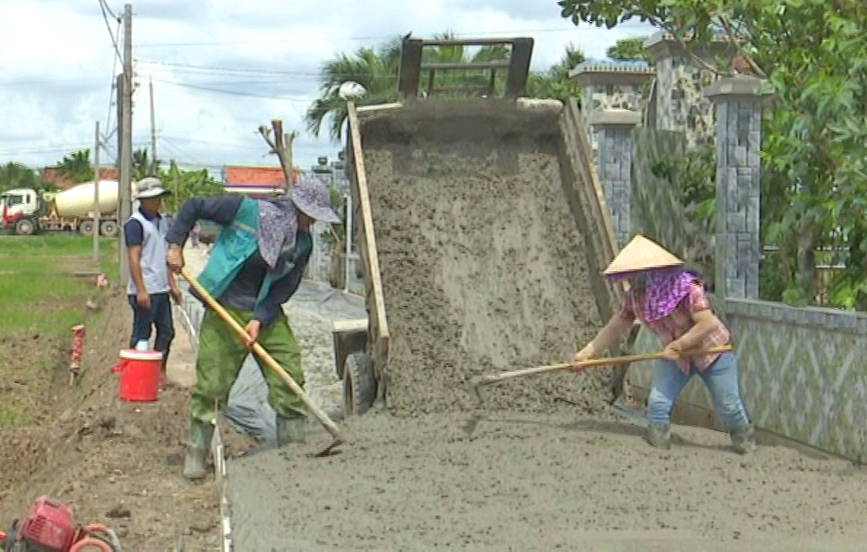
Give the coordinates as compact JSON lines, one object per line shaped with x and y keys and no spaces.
{"x":555,"y":83}
{"x":373,"y":71}
{"x":76,"y":166}
{"x":370,"y":77}
{"x":141,"y":165}
{"x":16,"y":175}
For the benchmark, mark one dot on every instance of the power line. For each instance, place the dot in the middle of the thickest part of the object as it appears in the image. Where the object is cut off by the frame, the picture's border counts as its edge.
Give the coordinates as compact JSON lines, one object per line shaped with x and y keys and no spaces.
{"x":263,"y":148}
{"x":217,"y":69}
{"x":103,"y":6}
{"x":109,"y":10}
{"x":381,"y":37}
{"x":234,"y":92}
{"x":48,"y":81}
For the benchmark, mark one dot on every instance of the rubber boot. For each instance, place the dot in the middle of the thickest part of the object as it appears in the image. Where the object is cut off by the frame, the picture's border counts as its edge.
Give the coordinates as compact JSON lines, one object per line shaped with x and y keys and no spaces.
{"x":291,"y":429}
{"x":659,"y":435}
{"x":744,"y":439}
{"x":197,"y":449}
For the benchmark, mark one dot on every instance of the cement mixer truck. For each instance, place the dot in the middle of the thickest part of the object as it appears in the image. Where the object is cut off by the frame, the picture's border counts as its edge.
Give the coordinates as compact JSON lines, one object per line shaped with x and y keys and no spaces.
{"x":25,"y":211}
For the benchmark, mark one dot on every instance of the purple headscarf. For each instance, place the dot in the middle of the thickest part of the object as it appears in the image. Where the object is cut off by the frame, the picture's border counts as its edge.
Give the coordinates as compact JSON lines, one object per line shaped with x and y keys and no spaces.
{"x":664,"y":290}
{"x":278,"y":223}
{"x":661,"y":290}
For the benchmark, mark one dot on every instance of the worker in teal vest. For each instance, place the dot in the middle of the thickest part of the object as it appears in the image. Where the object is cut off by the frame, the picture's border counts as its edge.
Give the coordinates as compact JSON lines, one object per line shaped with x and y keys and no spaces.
{"x":254,"y":267}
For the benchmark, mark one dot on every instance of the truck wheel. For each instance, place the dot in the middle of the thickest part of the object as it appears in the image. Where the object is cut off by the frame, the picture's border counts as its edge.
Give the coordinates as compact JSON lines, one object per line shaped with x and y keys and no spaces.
{"x":86,"y":228}
{"x":25,"y":227}
{"x":108,"y":228}
{"x":359,"y":384}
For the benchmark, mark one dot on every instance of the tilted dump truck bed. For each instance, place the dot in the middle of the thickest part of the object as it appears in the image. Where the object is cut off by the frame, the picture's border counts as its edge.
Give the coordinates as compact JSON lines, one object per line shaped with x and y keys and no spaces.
{"x":482,"y":230}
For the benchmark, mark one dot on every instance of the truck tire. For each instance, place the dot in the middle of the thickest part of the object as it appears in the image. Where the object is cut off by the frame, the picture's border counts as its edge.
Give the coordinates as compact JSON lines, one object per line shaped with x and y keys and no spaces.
{"x":359,"y":384}
{"x":25,"y":227}
{"x":108,"y":228}
{"x":86,"y":228}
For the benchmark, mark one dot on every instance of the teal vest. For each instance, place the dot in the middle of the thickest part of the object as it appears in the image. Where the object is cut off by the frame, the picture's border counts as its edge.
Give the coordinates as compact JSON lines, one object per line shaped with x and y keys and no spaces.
{"x":234,"y":245}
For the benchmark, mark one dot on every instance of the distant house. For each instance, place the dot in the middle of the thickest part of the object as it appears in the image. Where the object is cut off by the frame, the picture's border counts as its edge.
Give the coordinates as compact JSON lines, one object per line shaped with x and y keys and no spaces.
{"x":254,"y":181}
{"x":54,"y":177}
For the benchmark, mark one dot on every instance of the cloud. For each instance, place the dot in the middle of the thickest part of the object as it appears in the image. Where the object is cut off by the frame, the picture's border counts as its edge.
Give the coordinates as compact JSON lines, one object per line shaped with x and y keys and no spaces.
{"x":220,"y":68}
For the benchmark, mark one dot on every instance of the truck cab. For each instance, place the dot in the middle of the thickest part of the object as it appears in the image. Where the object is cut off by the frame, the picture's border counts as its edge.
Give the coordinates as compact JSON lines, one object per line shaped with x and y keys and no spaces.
{"x":19,"y":206}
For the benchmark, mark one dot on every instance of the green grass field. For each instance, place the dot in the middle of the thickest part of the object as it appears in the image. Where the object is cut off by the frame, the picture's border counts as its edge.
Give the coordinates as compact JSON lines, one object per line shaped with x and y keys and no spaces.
{"x":40,"y":294}
{"x":37,"y":284}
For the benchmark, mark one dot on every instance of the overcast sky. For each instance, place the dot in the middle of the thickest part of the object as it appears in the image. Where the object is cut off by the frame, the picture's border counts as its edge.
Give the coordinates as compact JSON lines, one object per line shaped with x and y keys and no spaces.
{"x":220,"y":68}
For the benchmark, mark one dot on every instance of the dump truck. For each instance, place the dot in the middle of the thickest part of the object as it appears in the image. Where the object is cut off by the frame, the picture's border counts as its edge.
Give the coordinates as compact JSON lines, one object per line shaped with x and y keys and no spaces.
{"x":27,"y":211}
{"x":377,"y":144}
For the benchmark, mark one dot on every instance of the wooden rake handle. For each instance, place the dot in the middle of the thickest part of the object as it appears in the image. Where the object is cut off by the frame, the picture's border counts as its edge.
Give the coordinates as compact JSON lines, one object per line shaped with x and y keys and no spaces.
{"x":266,"y":358}
{"x":503,"y":376}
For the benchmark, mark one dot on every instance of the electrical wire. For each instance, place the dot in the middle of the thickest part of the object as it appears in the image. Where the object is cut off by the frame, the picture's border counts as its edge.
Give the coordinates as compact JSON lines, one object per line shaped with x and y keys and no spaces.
{"x":484,"y":34}
{"x":234,"y":92}
{"x":103,"y":6}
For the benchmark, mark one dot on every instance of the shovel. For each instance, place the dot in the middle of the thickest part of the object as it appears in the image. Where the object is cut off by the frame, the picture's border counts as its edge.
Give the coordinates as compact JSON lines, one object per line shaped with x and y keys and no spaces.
{"x":269,"y":361}
{"x":489,"y":379}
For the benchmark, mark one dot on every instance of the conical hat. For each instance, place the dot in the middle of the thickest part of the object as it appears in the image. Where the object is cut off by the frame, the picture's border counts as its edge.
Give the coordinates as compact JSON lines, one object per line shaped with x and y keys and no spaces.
{"x":641,"y":254}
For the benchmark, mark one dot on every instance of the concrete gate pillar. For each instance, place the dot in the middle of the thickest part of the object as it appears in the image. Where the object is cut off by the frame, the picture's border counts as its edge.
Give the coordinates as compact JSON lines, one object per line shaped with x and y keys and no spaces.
{"x":738,"y":182}
{"x":614,"y":162}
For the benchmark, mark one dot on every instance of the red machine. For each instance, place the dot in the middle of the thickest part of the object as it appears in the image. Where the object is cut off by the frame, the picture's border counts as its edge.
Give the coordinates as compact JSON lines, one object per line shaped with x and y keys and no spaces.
{"x":49,"y":527}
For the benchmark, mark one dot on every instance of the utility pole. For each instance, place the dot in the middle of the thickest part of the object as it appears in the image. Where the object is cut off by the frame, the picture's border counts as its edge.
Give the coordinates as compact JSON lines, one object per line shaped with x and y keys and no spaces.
{"x":125,"y":181}
{"x":174,"y":171}
{"x":96,"y":196}
{"x":153,"y":131}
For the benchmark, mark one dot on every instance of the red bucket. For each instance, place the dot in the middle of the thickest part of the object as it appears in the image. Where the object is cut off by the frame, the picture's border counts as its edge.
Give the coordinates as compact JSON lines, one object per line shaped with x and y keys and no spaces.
{"x":139,"y":375}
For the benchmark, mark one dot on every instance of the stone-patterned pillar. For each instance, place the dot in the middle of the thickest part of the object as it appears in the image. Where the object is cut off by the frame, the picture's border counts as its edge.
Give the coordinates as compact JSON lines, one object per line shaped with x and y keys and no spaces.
{"x":614,"y":163}
{"x":738,"y":176}
{"x":607,"y":84}
{"x":679,"y":83}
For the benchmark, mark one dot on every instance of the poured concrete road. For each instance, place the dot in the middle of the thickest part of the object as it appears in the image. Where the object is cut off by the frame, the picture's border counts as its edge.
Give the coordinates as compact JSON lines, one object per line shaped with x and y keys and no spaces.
{"x":534,"y":482}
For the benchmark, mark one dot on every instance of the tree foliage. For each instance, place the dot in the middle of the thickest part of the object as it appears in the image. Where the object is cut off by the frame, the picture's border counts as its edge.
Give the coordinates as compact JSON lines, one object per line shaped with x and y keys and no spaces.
{"x":375,"y":70}
{"x":16,"y":175}
{"x":814,"y":55}
{"x":555,"y":83}
{"x":76,"y":166}
{"x":187,"y":184}
{"x":369,"y":76}
{"x":630,"y":49}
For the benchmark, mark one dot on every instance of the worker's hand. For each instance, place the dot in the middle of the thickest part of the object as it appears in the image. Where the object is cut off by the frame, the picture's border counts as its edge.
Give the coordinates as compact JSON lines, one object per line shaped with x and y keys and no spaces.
{"x":672,"y":351}
{"x":175,"y":258}
{"x":252,"y":329}
{"x":587,"y":353}
{"x":143,"y":300}
{"x":176,"y":295}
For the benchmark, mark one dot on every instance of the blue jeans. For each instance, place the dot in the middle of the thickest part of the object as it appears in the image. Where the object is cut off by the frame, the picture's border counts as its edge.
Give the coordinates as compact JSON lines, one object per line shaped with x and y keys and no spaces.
{"x":159,"y":316}
{"x":721,"y":379}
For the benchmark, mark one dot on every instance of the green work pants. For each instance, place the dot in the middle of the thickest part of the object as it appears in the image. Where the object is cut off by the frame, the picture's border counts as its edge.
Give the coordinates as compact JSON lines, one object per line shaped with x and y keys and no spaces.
{"x":221,"y":354}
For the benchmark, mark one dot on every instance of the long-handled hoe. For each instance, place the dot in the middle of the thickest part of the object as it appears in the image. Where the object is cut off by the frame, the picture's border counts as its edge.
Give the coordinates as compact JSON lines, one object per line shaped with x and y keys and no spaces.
{"x":272,"y":364}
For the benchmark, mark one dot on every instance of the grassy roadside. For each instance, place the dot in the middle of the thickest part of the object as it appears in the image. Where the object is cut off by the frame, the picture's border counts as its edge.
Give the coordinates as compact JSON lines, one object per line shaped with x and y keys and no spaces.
{"x":45,"y":282}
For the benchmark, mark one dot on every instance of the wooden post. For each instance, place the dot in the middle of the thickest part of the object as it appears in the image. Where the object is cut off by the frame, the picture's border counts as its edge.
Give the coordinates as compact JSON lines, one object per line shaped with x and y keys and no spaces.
{"x":153,"y":132}
{"x":124,"y":207}
{"x":96,"y":196}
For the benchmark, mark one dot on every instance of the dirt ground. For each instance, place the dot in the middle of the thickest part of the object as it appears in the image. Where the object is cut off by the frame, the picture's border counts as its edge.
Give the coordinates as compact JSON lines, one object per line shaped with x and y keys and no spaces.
{"x":483,"y":270}
{"x":112,"y":462}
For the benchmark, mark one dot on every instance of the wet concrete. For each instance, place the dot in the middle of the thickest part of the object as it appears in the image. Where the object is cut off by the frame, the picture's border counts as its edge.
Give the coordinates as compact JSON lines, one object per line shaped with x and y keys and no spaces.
{"x":540,"y":482}
{"x":483,"y":269}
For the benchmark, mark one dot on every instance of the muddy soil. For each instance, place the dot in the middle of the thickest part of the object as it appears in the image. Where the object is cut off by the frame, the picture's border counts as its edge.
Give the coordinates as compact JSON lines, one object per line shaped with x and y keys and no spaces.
{"x":541,"y":482}
{"x":111,"y":462}
{"x":483,"y":269}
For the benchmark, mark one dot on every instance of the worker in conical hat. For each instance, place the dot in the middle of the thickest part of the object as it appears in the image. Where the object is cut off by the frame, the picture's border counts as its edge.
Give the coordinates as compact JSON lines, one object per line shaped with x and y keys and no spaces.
{"x":672,"y":302}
